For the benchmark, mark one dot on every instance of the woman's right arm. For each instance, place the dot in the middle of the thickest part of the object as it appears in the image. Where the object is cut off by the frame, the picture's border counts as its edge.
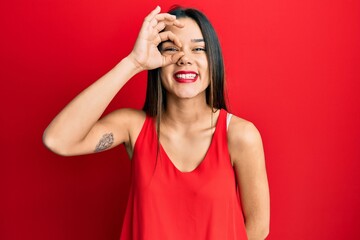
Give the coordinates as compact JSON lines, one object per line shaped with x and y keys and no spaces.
{"x":78,"y":129}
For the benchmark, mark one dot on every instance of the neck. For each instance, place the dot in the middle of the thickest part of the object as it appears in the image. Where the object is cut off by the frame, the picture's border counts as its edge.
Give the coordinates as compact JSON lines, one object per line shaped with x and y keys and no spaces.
{"x":185,"y":112}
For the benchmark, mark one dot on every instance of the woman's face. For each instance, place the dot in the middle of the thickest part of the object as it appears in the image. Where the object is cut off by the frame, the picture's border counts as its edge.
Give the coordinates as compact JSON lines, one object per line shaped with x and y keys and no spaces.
{"x":189,"y":77}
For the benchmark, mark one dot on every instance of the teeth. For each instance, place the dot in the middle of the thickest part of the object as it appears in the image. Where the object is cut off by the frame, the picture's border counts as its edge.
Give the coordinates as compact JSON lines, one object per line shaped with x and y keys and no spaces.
{"x":186,"y":76}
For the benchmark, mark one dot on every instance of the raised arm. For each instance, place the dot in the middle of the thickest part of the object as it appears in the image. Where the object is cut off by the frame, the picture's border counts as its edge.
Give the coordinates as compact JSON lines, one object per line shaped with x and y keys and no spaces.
{"x":78,"y":129}
{"x":247,"y":155}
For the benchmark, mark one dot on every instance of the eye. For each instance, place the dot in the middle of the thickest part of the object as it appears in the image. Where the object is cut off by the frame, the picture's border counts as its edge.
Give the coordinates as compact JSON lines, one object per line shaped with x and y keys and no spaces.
{"x":170,"y":49}
{"x":200,"y":49}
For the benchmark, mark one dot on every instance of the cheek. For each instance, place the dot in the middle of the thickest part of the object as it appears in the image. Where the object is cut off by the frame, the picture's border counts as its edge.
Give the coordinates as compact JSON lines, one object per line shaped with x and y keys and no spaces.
{"x":203,"y":64}
{"x":166,"y":73}
{"x":205,"y":69}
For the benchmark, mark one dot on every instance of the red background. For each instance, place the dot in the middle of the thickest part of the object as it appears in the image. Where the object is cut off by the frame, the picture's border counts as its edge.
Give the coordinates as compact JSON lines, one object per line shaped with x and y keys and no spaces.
{"x":293,"y":68}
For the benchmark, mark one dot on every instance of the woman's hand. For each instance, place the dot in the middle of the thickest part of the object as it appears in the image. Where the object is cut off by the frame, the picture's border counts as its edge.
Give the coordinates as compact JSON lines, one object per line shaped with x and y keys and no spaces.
{"x":145,"y":54}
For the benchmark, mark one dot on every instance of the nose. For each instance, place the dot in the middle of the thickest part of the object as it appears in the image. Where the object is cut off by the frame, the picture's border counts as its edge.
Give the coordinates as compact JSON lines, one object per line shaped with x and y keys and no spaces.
{"x":185,"y":60}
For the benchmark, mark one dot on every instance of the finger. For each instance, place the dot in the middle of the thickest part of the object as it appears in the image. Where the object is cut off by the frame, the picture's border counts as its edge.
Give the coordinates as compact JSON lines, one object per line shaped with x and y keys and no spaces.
{"x":165,"y":16}
{"x":160,"y":26}
{"x":170,"y":59}
{"x":178,"y":24}
{"x":153,"y":22}
{"x":167,"y":35}
{"x":173,"y":23}
{"x":153,"y":13}
{"x":169,"y":19}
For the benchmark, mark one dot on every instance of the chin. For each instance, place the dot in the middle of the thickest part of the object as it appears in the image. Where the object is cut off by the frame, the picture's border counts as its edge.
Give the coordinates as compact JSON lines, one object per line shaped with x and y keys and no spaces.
{"x":189,"y":94}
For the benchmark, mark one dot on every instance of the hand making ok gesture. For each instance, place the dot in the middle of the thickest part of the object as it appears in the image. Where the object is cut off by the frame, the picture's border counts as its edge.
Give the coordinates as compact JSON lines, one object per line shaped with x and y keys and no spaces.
{"x":145,"y":53}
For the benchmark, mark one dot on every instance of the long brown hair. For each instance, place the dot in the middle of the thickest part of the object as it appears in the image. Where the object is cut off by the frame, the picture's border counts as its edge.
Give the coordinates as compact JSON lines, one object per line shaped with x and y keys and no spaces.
{"x":155,"y":101}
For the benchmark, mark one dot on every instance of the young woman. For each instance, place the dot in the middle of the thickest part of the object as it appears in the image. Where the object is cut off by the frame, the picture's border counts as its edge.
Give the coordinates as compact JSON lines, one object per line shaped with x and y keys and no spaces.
{"x":198,"y":172}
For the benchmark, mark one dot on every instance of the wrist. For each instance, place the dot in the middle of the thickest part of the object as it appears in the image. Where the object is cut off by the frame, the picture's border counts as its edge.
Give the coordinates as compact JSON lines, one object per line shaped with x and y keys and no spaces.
{"x":137,"y":67}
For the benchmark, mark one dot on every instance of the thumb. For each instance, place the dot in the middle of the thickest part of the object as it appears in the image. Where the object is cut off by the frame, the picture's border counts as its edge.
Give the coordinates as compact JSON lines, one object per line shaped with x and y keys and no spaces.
{"x":171,"y":59}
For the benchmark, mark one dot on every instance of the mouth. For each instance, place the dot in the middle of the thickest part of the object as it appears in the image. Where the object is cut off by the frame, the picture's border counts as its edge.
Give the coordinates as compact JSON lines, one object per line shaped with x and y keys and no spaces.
{"x":185,"y":76}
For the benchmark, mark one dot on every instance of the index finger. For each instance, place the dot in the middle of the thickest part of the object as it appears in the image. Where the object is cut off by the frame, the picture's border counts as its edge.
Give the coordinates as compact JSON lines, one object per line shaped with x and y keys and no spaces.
{"x":167,"y":35}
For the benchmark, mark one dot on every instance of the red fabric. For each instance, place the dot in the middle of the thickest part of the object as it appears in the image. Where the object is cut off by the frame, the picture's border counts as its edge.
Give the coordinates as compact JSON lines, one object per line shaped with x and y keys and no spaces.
{"x":165,"y":203}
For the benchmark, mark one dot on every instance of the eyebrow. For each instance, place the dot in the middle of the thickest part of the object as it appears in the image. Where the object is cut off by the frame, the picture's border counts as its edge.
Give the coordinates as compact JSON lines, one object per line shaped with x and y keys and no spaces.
{"x":193,"y":40}
{"x":197,"y":40}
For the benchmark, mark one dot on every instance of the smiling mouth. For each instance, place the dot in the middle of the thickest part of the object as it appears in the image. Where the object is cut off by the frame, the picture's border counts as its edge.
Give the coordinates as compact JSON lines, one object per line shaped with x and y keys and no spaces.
{"x":185,"y":76}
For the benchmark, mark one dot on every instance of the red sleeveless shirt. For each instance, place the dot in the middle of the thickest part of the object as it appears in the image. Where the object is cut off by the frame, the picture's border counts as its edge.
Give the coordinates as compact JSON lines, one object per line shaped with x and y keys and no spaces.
{"x":167,"y":204}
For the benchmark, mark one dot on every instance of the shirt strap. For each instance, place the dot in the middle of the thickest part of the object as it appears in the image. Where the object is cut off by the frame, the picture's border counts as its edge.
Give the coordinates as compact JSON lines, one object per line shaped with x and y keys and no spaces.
{"x":228,"y":118}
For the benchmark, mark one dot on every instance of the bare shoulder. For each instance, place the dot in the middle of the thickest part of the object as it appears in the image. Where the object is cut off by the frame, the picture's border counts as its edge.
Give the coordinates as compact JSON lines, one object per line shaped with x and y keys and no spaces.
{"x":129,"y":115}
{"x":128,"y":118}
{"x":243,"y":138}
{"x":242,"y":131}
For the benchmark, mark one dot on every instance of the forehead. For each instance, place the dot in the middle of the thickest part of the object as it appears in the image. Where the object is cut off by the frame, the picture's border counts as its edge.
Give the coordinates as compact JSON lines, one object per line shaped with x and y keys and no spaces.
{"x":190,"y":30}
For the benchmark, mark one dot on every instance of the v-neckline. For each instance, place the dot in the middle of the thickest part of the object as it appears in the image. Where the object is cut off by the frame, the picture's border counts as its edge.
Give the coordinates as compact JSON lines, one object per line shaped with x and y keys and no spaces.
{"x":202,"y":162}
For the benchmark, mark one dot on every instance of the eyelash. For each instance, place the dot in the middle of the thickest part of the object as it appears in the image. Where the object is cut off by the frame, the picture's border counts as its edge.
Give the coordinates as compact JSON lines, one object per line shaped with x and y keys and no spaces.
{"x":175,"y":49}
{"x":170,"y":49}
{"x":201,"y":49}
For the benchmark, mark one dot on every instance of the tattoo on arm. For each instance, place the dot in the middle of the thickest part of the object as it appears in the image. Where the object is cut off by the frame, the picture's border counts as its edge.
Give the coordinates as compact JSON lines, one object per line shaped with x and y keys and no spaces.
{"x":105,"y":142}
